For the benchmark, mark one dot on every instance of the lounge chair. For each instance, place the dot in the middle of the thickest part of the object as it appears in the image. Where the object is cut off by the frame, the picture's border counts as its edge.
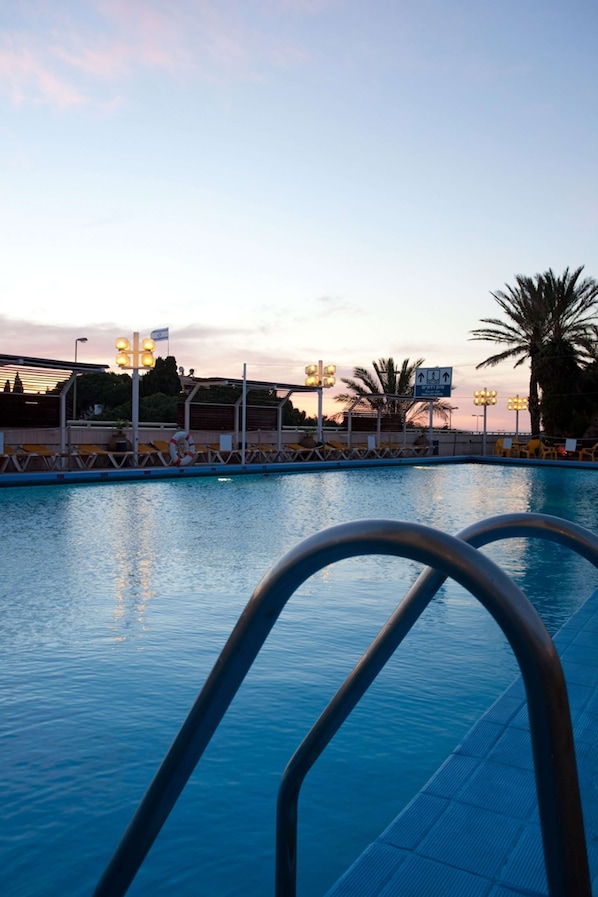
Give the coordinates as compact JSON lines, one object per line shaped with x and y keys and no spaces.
{"x":294,"y":451}
{"x":88,"y":454}
{"x":261,"y":453}
{"x":222,"y":455}
{"x":340,"y":451}
{"x":48,"y":457}
{"x":10,"y":456}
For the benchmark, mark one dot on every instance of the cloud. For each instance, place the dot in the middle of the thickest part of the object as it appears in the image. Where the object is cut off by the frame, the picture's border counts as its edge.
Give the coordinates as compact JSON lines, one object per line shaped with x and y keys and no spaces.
{"x":75,"y":55}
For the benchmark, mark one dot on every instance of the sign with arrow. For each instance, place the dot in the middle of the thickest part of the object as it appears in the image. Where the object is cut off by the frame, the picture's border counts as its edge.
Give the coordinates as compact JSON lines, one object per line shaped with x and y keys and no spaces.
{"x":433,"y":383}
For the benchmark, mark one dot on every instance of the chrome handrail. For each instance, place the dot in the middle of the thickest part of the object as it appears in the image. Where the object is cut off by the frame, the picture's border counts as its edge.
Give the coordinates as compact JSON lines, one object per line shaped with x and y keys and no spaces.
{"x":552,"y":739}
{"x":372,"y":662}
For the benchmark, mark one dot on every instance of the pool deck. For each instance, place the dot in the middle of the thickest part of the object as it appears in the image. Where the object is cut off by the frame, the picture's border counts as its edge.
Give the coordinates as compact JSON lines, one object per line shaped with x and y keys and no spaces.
{"x":127,"y":474}
{"x":473,"y":830}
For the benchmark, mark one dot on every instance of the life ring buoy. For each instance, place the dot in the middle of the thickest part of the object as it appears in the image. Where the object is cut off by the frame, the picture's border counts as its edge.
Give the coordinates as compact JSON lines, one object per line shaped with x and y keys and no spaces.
{"x":182,"y":449}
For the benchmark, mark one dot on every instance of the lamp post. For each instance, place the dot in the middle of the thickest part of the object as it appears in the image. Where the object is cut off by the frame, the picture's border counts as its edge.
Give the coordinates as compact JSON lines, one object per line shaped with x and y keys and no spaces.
{"x":477,"y":421}
{"x":80,"y":339}
{"x":484,"y":397}
{"x":321,"y":377}
{"x":517,"y":404}
{"x":133,"y":359}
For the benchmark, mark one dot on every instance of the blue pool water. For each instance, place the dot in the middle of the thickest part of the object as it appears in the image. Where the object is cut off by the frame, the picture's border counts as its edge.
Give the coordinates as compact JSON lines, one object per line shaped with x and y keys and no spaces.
{"x":115,"y":601}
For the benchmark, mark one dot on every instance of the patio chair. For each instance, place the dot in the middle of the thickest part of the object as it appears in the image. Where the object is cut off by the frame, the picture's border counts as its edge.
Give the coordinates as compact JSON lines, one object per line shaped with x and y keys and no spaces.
{"x":548,"y":451}
{"x":531,"y":449}
{"x":589,"y":452}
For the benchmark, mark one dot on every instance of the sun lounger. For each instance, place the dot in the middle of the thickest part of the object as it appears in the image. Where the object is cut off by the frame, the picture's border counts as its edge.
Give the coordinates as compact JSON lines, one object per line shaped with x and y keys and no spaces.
{"x":10,"y":456}
{"x":294,"y":451}
{"x":48,"y":457}
{"x":261,"y":453}
{"x":339,"y":451}
{"x":88,"y":455}
{"x":223,"y":456}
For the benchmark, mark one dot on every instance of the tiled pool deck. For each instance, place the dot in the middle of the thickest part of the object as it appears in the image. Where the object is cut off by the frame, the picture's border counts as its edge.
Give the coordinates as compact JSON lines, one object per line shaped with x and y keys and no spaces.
{"x":473,"y":831}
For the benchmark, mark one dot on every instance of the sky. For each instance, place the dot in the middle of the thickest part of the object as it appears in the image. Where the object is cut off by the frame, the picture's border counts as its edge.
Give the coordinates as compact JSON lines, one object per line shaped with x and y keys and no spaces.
{"x":280,"y":182}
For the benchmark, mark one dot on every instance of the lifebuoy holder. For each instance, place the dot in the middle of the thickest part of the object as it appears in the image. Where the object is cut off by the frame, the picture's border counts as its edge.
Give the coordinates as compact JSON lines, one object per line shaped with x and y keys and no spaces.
{"x":182,"y":449}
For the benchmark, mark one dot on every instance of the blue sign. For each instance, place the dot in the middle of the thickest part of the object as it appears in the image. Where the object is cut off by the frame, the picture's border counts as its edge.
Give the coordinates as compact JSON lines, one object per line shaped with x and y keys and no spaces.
{"x":433,"y":383}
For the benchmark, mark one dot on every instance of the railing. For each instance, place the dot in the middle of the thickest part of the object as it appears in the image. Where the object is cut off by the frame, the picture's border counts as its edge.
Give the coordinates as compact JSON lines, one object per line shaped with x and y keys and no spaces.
{"x":448,"y":556}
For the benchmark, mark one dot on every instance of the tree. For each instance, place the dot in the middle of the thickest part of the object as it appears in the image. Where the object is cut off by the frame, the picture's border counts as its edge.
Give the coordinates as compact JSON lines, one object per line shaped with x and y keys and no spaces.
{"x":162,"y":378}
{"x":378,"y":390}
{"x":559,"y":379}
{"x":540,"y":310}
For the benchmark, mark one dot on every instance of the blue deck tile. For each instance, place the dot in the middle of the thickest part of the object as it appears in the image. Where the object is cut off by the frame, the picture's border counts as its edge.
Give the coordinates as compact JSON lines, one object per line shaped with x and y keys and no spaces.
{"x":507,"y":707}
{"x":452,"y":776}
{"x":370,"y":872}
{"x":513,"y":748}
{"x":507,"y":790}
{"x":414,"y":823}
{"x":421,"y":877}
{"x":586,"y":728}
{"x":524,"y":869}
{"x":472,"y":839}
{"x":480,"y":739}
{"x":578,"y":673}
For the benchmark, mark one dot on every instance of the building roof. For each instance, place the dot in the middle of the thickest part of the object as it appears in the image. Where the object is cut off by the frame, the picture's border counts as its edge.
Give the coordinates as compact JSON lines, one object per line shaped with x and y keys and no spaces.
{"x":42,"y":374}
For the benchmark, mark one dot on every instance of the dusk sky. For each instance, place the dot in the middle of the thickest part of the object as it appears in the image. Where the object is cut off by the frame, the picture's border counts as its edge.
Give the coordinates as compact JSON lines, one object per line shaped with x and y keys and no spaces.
{"x":283,"y":181}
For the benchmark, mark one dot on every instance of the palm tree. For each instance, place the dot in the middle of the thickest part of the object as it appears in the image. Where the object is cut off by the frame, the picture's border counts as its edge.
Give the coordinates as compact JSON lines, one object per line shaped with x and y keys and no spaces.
{"x":379,"y":390}
{"x":539,"y":311}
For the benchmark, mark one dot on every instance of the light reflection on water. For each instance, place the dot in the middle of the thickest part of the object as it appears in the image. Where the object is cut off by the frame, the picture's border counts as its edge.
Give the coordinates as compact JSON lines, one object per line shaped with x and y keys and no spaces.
{"x":115,"y":601}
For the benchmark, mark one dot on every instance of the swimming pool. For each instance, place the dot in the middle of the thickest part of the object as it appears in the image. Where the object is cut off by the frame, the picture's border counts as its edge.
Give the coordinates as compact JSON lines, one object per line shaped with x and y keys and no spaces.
{"x":115,"y":602}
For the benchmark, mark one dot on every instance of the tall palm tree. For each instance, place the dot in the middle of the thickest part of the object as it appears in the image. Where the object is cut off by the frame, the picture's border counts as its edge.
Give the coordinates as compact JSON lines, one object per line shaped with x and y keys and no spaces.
{"x":379,"y":389}
{"x":540,"y":310}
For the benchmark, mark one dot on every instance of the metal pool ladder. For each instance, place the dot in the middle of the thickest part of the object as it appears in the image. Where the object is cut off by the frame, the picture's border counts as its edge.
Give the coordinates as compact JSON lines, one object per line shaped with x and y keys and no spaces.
{"x":557,"y":784}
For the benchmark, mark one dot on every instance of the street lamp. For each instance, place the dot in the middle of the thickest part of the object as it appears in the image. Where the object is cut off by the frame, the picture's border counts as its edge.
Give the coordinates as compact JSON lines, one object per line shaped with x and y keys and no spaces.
{"x":517,"y":404}
{"x":477,"y":421}
{"x":80,"y":339}
{"x":133,"y":359}
{"x":484,"y":397}
{"x":322,"y":378}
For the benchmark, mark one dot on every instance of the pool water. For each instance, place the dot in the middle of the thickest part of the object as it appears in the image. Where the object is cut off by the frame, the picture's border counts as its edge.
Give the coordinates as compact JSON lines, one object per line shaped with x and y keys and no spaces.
{"x":115,"y":601}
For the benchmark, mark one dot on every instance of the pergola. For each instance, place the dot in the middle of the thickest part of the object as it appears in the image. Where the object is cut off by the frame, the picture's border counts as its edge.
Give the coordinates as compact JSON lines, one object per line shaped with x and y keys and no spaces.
{"x":37,"y":399}
{"x":285,"y":389}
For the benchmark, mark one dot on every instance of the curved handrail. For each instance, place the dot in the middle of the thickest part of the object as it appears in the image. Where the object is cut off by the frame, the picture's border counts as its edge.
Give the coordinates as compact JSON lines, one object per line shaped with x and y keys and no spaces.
{"x":552,"y":738}
{"x":393,"y":632}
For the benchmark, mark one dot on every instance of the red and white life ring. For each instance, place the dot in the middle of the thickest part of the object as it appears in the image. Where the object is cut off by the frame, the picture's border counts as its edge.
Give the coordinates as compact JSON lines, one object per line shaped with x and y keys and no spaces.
{"x":182,"y":449}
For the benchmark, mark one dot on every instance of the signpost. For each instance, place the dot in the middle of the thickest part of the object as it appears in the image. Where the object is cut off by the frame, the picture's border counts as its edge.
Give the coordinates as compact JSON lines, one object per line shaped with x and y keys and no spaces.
{"x":430,"y":384}
{"x":433,"y":383}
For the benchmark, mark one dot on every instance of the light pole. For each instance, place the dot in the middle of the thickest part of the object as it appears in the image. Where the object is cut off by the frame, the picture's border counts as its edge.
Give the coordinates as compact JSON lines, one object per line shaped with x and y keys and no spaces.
{"x":133,"y":359}
{"x":517,"y":404}
{"x":80,"y":339}
{"x":484,"y":397}
{"x":321,"y":377}
{"x":452,"y":408}
{"x":477,"y":421}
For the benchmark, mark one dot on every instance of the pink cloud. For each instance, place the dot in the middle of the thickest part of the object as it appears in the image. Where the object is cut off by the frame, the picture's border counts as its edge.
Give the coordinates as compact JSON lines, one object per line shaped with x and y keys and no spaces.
{"x":64,"y":60}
